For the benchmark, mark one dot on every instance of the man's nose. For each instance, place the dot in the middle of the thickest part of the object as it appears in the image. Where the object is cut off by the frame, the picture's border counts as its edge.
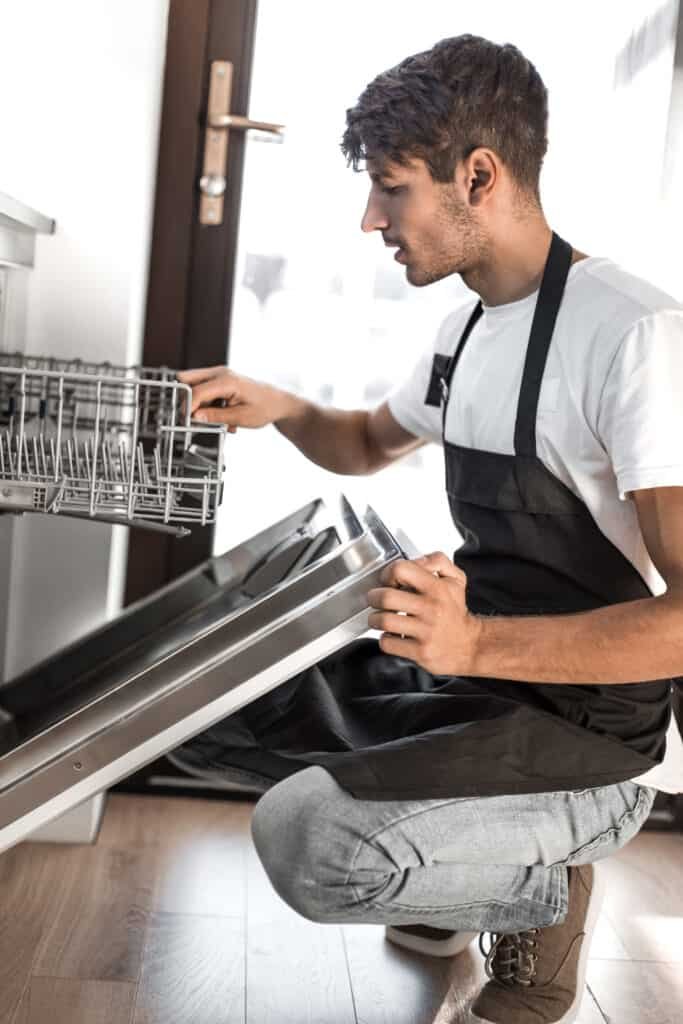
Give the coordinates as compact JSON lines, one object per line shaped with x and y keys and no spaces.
{"x":374,"y":218}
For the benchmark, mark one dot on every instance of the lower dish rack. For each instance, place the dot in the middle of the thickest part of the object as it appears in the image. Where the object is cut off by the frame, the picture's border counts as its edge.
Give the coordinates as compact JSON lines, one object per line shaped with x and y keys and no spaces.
{"x":105,"y":442}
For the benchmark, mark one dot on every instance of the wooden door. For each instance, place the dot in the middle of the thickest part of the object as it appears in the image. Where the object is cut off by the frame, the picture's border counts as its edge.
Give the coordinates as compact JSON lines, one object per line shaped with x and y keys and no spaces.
{"x":191,"y":264}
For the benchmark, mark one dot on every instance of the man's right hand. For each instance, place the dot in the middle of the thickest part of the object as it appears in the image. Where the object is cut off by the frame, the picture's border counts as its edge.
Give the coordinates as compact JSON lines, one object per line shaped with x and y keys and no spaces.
{"x":244,"y":402}
{"x":348,"y":441}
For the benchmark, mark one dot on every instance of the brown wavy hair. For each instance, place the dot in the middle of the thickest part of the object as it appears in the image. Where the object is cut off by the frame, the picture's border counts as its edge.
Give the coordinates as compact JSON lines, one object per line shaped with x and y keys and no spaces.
{"x":442,"y":104}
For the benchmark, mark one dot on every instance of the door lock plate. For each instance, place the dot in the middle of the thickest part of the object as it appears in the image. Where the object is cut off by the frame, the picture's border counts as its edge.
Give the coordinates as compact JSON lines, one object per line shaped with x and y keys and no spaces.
{"x":215,"y":145}
{"x":219,"y":122}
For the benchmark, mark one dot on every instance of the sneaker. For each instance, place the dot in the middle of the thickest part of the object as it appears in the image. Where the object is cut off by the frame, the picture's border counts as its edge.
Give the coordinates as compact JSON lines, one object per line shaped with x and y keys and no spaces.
{"x":538,"y":976}
{"x":421,"y":938}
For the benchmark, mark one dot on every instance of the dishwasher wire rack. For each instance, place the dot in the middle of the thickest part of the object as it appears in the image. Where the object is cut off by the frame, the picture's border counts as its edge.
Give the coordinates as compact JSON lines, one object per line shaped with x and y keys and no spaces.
{"x":105,"y":442}
{"x":80,"y":389}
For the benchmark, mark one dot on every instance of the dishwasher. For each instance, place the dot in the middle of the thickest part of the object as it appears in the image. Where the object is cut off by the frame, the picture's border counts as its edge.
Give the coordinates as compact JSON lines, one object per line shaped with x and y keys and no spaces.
{"x":96,"y":442}
{"x":117,"y":444}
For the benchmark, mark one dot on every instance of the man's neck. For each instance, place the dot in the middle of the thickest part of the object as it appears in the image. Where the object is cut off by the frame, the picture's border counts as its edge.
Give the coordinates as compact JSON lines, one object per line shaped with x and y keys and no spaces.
{"x":514,"y":264}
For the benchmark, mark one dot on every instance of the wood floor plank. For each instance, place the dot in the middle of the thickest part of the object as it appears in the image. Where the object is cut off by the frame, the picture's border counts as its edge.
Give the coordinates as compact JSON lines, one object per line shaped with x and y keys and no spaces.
{"x":162,"y":820}
{"x":394,"y":986}
{"x":296,"y":969}
{"x":192,"y":972}
{"x":30,"y":901}
{"x":98,"y":930}
{"x":203,"y":875}
{"x":637,"y":993}
{"x":644,"y":898}
{"x":606,"y":944}
{"x":296,"y":974}
{"x":69,"y":1001}
{"x":200,"y":848}
{"x":590,"y":1011}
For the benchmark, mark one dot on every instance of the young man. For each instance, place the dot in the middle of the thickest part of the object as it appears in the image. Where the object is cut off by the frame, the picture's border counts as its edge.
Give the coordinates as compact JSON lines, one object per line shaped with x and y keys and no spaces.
{"x":510,"y":729}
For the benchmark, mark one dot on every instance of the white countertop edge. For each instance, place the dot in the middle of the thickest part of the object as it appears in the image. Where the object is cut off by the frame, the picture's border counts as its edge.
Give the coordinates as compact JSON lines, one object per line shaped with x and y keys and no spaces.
{"x":24,"y":216}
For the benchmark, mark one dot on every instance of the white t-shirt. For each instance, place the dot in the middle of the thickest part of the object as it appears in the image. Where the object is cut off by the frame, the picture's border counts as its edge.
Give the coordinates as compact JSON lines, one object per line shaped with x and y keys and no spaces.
{"x":610,"y":412}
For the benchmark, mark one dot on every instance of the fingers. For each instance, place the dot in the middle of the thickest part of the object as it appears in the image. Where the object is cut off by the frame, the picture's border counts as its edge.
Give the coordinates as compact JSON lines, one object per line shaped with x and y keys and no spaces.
{"x":206,"y":393}
{"x":400,"y":647}
{"x":192,"y":377}
{"x":228,"y":417}
{"x":401,"y":625}
{"x":440,"y":563}
{"x":209,"y":384}
{"x":404,"y":573}
{"x":391,"y":599}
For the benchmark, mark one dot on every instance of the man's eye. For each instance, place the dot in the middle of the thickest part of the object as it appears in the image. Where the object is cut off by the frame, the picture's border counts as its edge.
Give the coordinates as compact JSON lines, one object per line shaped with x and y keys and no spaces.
{"x":391,"y":190}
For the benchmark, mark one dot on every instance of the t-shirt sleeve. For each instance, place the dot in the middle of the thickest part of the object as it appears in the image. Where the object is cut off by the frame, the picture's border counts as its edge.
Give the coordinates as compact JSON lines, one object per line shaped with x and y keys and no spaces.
{"x":408,"y":406}
{"x":640,"y":418}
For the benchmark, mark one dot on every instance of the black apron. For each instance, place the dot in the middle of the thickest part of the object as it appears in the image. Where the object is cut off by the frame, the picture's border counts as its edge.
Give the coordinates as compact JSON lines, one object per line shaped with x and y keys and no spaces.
{"x":386,"y":729}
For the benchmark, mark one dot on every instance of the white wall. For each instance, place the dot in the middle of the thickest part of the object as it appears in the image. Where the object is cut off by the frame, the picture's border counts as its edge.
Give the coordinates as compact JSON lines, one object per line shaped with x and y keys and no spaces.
{"x":81,"y":85}
{"x":671,"y":207}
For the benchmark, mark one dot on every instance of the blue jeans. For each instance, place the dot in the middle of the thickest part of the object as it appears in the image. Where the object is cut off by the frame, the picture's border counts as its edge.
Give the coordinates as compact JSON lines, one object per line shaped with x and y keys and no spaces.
{"x":494,"y":863}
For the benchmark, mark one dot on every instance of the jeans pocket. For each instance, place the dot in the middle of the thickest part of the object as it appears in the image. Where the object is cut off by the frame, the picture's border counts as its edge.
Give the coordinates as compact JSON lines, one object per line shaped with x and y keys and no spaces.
{"x":618,"y":835}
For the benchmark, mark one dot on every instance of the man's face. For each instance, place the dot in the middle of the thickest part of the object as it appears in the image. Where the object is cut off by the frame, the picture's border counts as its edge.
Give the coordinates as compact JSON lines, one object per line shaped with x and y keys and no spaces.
{"x":431,"y":224}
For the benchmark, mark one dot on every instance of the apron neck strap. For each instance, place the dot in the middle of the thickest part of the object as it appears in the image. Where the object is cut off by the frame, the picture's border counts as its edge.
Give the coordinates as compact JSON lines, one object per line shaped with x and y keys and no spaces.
{"x":545,"y":315}
{"x":453,"y":362}
{"x":542,"y":327}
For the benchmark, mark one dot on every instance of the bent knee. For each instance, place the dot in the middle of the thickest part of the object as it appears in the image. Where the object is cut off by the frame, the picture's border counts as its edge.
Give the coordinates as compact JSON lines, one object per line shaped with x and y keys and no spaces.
{"x":290,"y":834}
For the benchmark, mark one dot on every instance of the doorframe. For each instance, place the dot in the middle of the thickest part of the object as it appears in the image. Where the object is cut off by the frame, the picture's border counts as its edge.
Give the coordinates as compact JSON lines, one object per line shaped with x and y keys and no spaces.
{"x":187,"y":320}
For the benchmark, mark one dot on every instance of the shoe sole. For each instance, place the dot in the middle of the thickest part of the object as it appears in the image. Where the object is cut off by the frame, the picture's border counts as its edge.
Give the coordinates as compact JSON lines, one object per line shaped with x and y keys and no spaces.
{"x":431,"y":947}
{"x":594,"y":905}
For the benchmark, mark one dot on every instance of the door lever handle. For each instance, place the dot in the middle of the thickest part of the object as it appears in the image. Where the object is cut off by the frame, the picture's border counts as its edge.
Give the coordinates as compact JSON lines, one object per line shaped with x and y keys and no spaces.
{"x":219,"y":121}
{"x":245,"y":123}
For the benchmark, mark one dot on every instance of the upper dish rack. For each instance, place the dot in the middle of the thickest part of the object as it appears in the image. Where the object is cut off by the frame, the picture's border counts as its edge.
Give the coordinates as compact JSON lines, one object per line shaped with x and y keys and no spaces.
{"x":105,"y":442}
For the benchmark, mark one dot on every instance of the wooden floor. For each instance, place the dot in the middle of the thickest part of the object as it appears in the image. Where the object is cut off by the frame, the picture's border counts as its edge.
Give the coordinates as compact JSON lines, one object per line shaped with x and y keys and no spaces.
{"x":169,"y":919}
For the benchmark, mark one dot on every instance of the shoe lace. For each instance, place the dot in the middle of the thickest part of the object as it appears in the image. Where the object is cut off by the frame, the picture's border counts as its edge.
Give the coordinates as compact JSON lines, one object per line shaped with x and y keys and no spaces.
{"x":511,"y":959}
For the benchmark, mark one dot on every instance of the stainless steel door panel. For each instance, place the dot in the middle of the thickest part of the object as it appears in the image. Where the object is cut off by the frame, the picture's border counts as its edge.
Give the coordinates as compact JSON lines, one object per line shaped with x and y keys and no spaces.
{"x":219,"y":662}
{"x":158,"y":625}
{"x":154,"y":626}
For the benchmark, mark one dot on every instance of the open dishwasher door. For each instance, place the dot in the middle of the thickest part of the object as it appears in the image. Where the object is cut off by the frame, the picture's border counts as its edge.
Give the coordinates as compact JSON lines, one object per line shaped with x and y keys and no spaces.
{"x":176,"y":663}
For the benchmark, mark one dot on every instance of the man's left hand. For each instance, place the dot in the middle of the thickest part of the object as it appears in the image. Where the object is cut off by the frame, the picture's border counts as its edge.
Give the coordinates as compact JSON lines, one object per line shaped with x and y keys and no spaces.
{"x":436,"y":630}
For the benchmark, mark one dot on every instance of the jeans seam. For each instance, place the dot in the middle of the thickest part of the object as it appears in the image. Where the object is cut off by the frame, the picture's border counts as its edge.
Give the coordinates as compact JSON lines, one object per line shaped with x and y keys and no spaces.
{"x":446,"y":909}
{"x":352,"y":863}
{"x":373,"y":835}
{"x":609,"y":833}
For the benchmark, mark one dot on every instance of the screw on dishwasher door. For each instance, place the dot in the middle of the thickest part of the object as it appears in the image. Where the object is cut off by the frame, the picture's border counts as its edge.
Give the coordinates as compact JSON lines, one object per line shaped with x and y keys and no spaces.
{"x":8,"y":731}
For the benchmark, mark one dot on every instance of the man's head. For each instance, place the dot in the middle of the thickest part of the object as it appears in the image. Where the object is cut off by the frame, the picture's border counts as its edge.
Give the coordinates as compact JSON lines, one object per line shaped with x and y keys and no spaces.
{"x":453,"y":140}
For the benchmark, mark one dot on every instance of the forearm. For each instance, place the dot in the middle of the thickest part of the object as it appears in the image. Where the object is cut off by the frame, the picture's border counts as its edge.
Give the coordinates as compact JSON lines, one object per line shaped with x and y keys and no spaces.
{"x":633,"y":642}
{"x":335,"y":439}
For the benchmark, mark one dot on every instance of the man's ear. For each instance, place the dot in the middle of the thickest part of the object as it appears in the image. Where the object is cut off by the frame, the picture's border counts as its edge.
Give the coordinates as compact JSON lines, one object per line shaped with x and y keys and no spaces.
{"x":482,"y":172}
{"x":478,"y":182}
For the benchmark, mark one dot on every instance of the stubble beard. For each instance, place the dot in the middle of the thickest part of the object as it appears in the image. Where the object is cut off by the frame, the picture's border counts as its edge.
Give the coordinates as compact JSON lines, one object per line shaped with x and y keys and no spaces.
{"x":462,"y":244}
